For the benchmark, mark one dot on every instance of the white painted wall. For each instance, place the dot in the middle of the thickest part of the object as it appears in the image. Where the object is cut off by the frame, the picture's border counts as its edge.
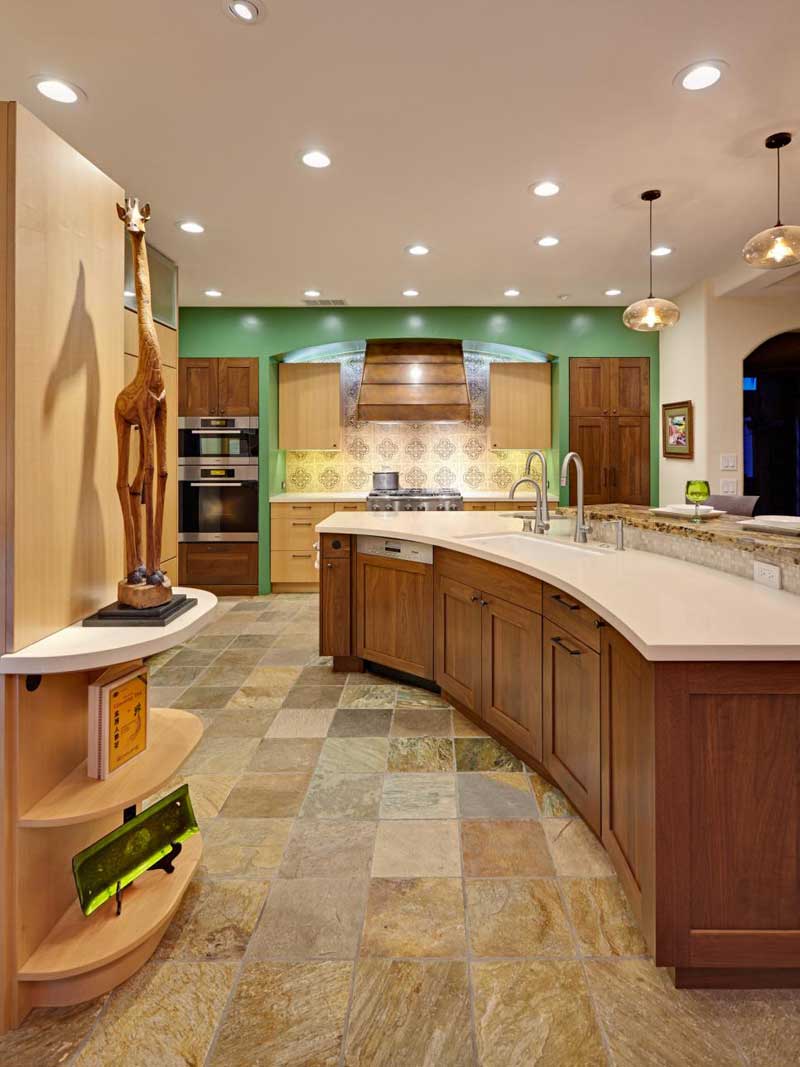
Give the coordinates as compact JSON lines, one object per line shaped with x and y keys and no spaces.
{"x":701,"y":360}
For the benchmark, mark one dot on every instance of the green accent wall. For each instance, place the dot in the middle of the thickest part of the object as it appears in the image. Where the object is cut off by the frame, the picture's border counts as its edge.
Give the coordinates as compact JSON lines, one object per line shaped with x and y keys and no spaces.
{"x":267,"y":333}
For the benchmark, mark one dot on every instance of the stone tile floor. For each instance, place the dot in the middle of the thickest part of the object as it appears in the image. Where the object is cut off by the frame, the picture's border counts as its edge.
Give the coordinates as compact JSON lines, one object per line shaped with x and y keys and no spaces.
{"x":384,"y":886}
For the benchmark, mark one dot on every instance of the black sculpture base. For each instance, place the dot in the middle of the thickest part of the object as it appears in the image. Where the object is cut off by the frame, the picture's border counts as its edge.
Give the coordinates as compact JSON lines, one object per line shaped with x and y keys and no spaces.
{"x":117,"y":614}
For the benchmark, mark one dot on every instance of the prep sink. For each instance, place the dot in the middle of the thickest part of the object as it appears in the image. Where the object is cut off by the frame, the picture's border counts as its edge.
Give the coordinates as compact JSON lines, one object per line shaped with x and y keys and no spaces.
{"x":532,"y":546}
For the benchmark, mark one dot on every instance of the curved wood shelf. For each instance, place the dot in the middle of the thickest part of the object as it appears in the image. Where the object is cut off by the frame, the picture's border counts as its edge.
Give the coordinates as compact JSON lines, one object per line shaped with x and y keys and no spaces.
{"x":77,"y":798}
{"x":77,"y":945}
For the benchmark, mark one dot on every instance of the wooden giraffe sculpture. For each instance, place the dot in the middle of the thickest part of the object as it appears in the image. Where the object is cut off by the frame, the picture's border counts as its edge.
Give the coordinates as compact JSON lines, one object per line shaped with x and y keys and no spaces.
{"x":142,"y":403}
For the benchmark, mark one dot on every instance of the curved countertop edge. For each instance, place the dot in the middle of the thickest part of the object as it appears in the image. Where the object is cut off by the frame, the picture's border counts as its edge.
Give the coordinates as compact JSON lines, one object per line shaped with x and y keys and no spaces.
{"x":81,"y":648}
{"x":669,"y":609}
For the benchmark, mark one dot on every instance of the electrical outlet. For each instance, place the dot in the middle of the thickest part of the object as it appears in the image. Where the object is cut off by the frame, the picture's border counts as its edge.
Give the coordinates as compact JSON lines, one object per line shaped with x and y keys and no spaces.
{"x":728,"y":485}
{"x":767,"y":574}
{"x":728,"y":461}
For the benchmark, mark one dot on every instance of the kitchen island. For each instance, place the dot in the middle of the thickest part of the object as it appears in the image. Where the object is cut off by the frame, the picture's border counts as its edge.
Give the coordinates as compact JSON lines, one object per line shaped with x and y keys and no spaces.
{"x":661,"y":696}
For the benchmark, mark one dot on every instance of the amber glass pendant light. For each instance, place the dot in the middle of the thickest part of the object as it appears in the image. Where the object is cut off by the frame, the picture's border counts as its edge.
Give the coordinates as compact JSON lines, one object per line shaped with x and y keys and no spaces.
{"x":654,"y":313}
{"x":778,"y":246}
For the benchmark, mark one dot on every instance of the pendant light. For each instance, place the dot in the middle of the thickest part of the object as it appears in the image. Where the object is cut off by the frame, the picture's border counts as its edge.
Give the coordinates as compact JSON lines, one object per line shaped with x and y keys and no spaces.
{"x":653,"y":313}
{"x":780,"y":245}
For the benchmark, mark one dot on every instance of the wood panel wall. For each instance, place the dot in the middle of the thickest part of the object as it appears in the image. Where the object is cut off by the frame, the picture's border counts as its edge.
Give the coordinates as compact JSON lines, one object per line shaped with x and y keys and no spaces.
{"x":64,"y":560}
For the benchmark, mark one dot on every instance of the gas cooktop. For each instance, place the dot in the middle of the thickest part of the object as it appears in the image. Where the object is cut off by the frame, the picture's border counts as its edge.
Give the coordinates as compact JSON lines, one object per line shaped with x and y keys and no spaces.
{"x":415,"y":500}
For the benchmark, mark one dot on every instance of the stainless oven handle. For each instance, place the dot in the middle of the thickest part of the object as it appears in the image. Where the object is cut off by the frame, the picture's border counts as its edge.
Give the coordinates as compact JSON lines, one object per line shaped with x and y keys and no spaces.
{"x":216,"y":433}
{"x":199,"y":485}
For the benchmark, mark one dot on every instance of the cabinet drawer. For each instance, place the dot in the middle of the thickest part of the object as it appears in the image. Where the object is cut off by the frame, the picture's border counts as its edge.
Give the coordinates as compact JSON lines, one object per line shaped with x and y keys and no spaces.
{"x":474,"y":505}
{"x":301,"y":510}
{"x":516,"y":505}
{"x":296,"y":534}
{"x":352,"y":505}
{"x":219,"y":564}
{"x":576,"y":618}
{"x":503,"y":582}
{"x":296,"y":566}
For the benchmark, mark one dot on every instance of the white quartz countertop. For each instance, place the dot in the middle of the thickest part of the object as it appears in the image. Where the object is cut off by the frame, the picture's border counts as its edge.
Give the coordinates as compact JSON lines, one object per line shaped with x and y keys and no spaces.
{"x":81,"y":648}
{"x":324,"y":498}
{"x":666,"y":608}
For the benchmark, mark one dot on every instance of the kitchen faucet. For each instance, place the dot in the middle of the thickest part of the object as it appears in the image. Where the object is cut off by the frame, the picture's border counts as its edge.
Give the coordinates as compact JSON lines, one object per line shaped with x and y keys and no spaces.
{"x":541,"y":526}
{"x":543,"y":461}
{"x":581,"y":529}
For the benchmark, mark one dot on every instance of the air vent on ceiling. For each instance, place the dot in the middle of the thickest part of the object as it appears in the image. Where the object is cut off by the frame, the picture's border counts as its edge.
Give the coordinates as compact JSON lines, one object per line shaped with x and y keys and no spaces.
{"x":325,"y":303}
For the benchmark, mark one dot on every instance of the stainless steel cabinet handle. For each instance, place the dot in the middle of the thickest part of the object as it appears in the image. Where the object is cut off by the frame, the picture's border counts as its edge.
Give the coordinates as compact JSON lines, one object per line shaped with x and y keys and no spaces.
{"x":199,"y":485}
{"x":560,"y":642}
{"x":565,"y":603}
{"x":216,"y":433}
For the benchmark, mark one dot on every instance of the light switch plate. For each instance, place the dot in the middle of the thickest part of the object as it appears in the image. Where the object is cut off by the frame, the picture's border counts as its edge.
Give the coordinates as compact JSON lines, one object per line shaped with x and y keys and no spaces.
{"x":728,"y":461}
{"x":767,"y":574}
{"x":728,"y":485}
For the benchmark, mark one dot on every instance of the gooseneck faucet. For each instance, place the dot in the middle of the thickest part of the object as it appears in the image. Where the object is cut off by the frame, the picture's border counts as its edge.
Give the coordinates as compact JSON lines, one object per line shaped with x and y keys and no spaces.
{"x":541,"y":526}
{"x":581,"y":529}
{"x":543,"y":461}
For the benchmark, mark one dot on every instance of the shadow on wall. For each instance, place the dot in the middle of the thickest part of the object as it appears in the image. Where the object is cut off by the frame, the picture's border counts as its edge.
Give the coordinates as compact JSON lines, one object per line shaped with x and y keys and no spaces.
{"x":78,"y":356}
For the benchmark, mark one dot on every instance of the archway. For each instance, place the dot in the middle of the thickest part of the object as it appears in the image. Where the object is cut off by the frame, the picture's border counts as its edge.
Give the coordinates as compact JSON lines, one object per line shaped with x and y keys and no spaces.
{"x":771,"y":425}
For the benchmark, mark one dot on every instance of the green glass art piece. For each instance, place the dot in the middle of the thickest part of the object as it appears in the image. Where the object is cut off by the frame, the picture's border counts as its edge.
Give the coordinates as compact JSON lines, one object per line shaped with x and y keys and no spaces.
{"x":150,"y":839}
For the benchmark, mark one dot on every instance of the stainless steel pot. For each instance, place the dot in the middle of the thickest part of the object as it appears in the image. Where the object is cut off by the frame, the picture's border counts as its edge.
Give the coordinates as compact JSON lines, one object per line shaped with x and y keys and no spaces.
{"x":385,"y":480}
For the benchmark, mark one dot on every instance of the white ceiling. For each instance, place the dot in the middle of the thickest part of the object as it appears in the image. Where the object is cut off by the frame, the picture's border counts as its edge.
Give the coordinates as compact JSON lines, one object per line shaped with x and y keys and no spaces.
{"x":438,"y":115}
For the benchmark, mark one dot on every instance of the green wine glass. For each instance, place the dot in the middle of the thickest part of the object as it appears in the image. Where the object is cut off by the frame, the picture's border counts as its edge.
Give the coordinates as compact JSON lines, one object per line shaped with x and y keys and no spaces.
{"x":697,"y":492}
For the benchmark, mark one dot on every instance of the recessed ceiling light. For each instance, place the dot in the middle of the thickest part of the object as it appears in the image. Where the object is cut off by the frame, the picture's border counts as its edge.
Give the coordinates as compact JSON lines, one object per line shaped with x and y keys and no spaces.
{"x":191,"y":227}
{"x":700,"y":75}
{"x":410,"y":292}
{"x":312,"y":294}
{"x":613,"y":292}
{"x":545,"y":188}
{"x":129,"y":293}
{"x":316,"y":159}
{"x":661,"y":250}
{"x":418,"y":250}
{"x":548,"y":241}
{"x":511,"y":292}
{"x":59,"y":91}
{"x":244,"y":11}
{"x":213,"y":292}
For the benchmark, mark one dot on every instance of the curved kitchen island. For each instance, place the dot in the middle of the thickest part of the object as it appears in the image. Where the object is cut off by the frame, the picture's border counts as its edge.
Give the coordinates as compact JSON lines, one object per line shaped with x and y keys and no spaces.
{"x":662,"y":697}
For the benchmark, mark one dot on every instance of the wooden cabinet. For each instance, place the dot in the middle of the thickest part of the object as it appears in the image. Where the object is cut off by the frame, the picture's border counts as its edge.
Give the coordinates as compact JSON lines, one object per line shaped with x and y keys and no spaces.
{"x":335,"y":596}
{"x":571,"y":719}
{"x":394,"y":613}
{"x":511,"y":668}
{"x":616,"y":386}
{"x":520,"y":405}
{"x":609,"y":427}
{"x":309,"y":406}
{"x":226,"y":568}
{"x":218,"y":387}
{"x":488,"y":645}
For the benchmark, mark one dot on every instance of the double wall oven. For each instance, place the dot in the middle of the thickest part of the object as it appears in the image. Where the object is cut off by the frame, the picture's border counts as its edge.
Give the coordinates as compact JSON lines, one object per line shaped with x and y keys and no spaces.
{"x":218,"y":475}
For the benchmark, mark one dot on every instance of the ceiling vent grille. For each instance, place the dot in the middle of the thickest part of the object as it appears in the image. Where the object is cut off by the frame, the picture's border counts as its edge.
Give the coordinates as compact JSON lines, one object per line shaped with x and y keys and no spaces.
{"x":325,"y":303}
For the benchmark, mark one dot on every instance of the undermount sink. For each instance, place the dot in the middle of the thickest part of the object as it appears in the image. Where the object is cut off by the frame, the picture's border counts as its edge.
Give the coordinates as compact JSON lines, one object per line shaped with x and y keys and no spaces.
{"x":532,"y":546}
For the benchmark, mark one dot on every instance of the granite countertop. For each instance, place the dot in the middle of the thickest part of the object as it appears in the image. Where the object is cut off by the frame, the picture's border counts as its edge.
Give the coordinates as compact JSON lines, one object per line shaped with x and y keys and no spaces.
{"x":667,"y":608}
{"x":724,"y":531}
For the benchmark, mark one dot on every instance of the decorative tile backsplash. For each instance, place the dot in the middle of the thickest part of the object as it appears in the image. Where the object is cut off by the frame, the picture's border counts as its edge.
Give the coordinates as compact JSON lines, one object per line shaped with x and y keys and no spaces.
{"x":438,"y":455}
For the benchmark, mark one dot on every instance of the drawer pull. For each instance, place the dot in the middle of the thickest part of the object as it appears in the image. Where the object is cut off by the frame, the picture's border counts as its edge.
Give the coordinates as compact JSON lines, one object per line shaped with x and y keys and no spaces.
{"x":329,"y":566}
{"x":565,"y":603}
{"x":300,"y":507}
{"x":484,"y":603}
{"x":301,"y":555}
{"x":301,"y":524}
{"x":560,"y":642}
{"x":599,"y":624}
{"x":475,"y":598}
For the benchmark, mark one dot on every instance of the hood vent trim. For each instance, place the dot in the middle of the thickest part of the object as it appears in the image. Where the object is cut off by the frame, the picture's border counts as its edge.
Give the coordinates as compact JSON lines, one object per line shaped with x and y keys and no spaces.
{"x":414,"y":381}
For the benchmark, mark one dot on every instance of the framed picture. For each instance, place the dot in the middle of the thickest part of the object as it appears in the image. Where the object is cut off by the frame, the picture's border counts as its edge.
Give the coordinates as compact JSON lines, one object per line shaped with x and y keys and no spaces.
{"x":677,"y":430}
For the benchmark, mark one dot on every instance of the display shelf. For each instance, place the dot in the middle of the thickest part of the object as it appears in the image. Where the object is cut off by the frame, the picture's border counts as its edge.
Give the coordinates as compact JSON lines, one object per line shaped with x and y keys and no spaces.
{"x":77,"y":945}
{"x":77,"y":798}
{"x":85,"y":648}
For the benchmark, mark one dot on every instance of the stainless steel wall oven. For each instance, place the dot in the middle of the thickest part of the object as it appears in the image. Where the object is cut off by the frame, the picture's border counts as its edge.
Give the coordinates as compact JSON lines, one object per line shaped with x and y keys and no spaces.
{"x":218,"y":502}
{"x":218,"y":439}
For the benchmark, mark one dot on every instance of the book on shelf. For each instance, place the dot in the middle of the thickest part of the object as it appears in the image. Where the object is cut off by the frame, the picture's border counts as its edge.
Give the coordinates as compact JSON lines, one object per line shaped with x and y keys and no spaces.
{"x":119,"y":719}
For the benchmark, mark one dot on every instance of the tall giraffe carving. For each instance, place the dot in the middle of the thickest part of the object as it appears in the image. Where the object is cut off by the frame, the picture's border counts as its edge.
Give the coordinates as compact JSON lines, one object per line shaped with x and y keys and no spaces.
{"x":143,"y":404}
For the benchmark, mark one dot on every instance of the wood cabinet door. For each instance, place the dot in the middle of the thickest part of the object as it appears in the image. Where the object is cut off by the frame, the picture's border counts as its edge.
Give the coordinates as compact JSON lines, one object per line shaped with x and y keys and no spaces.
{"x":197,"y":387}
{"x":628,"y":773}
{"x":394,"y":613}
{"x":519,"y":405}
{"x":590,"y":386}
{"x":309,"y":405}
{"x":238,"y":386}
{"x":591,"y":439}
{"x":334,"y":607}
{"x":630,"y":386}
{"x":213,"y":563}
{"x":630,"y":460}
{"x":571,"y":714}
{"x":512,"y":672}
{"x":458,"y":641}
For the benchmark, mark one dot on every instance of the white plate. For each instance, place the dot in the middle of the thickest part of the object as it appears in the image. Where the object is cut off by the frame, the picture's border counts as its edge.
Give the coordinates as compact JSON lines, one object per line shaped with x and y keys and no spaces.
{"x":780,"y":520}
{"x":785,"y":524}
{"x":687,"y":509}
{"x":680,"y":512}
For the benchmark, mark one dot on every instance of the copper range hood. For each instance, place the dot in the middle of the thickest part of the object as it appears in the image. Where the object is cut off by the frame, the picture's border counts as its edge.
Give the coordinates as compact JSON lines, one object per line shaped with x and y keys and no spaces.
{"x":413,"y":381}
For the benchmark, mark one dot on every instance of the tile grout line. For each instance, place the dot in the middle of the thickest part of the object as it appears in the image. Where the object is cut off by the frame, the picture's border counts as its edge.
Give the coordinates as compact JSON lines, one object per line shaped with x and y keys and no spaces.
{"x":467,"y":941}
